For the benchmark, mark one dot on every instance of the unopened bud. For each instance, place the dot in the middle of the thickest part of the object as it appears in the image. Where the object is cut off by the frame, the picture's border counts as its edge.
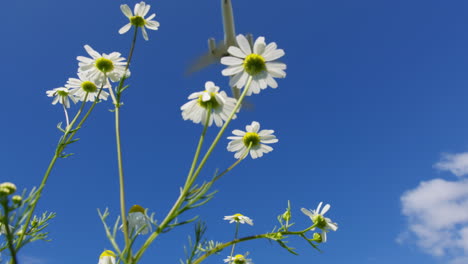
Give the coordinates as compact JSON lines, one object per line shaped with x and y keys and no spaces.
{"x":16,"y":199}
{"x":318,"y":238}
{"x":7,"y":188}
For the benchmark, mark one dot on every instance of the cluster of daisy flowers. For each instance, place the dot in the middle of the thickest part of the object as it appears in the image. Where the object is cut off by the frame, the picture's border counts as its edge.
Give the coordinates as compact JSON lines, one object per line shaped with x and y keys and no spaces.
{"x":96,"y":72}
{"x":252,"y":68}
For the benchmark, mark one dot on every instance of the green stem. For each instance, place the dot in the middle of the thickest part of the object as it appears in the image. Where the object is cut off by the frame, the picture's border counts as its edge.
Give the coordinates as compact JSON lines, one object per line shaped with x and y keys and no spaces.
{"x":9,"y":235}
{"x":60,"y":147}
{"x":172,"y":213}
{"x":217,"y":177}
{"x":221,"y":131}
{"x":117,"y":105}
{"x":200,"y":143}
{"x":235,"y":241}
{"x":234,"y":245}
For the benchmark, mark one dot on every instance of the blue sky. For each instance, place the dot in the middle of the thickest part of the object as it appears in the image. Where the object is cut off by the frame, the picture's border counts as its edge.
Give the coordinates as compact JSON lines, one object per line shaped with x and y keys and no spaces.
{"x":371,"y":118}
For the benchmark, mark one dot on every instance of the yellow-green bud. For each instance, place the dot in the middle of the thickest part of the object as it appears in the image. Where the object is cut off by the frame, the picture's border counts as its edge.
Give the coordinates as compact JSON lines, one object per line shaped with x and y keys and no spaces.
{"x":7,"y":188}
{"x":287,"y":216}
{"x":16,"y":199}
{"x":318,"y":237}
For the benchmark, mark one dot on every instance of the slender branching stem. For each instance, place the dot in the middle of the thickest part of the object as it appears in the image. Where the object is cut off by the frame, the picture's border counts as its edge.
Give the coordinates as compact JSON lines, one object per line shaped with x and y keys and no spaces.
{"x":117,"y":105}
{"x":183,"y":194}
{"x":239,"y":240}
{"x":200,"y":143}
{"x":234,"y":245}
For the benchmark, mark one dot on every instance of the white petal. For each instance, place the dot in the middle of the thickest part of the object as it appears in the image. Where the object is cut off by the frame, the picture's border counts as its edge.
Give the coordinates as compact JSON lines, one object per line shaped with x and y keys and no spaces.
{"x":153,"y":25}
{"x":92,"y":52}
{"x":259,"y":45}
{"x":232,"y":70}
{"x":266,"y":132}
{"x":243,"y":44}
{"x":145,"y":35}
{"x":126,"y":11}
{"x":238,"y":132}
{"x":231,"y":61}
{"x":276,"y":54}
{"x":325,"y":209}
{"x":318,"y":208}
{"x":125,"y":28}
{"x":235,"y":51}
{"x":307,"y":212}
{"x":255,"y":126}
{"x":206,"y":97}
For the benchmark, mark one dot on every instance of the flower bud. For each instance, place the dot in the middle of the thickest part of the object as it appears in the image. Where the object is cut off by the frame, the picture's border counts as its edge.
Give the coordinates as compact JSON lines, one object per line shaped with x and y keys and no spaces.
{"x":16,"y":199}
{"x":7,"y":188}
{"x":318,"y":238}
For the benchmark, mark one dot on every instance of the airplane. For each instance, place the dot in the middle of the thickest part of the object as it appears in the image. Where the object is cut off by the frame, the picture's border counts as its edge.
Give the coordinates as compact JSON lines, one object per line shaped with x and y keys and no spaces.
{"x":219,"y":50}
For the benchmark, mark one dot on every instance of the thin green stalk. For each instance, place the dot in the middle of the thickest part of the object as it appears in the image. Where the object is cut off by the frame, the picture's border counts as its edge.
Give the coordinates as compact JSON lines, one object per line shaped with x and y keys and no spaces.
{"x":235,"y":241}
{"x":234,"y":245}
{"x":221,"y":131}
{"x":66,"y":114}
{"x":217,"y":177}
{"x":200,"y":143}
{"x":9,"y":235}
{"x":60,"y":147}
{"x":170,"y":216}
{"x":116,"y":101}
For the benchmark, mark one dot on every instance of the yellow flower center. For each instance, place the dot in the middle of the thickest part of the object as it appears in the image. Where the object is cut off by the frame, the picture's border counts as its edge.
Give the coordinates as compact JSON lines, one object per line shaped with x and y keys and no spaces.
{"x":137,"y":21}
{"x":88,"y":87}
{"x":213,"y":103}
{"x":251,"y":138}
{"x":254,"y":64}
{"x":136,"y":208}
{"x":104,"y":65}
{"x":62,"y":93}
{"x":107,"y":253}
{"x":239,"y":259}
{"x":319,"y":221}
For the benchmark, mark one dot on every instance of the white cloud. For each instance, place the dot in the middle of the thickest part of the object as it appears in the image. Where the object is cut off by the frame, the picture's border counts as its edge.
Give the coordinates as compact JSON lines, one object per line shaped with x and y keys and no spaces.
{"x":455,"y":163}
{"x":437,"y":212}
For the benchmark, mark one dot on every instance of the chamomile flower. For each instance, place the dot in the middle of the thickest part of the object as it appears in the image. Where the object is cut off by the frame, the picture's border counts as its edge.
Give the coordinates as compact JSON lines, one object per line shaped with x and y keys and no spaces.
{"x":138,"y":221}
{"x":260,"y":63}
{"x":84,"y":85}
{"x":61,"y":95}
{"x":139,"y":20}
{"x":99,"y":66}
{"x":238,"y":259}
{"x":252,"y":137}
{"x":321,"y":222}
{"x":238,"y":218}
{"x":219,"y":104}
{"x":107,"y":257}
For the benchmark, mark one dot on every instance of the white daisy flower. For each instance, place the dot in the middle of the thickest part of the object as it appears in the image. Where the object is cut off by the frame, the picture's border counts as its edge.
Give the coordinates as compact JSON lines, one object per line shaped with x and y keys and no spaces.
{"x":238,"y":218}
{"x":241,"y":141}
{"x":107,"y":257}
{"x":259,"y":63}
{"x":137,"y":219}
{"x":84,"y":85}
{"x":221,"y":106}
{"x":238,"y":259}
{"x":321,"y":222}
{"x":139,"y":20}
{"x":61,"y":95}
{"x":99,"y":65}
